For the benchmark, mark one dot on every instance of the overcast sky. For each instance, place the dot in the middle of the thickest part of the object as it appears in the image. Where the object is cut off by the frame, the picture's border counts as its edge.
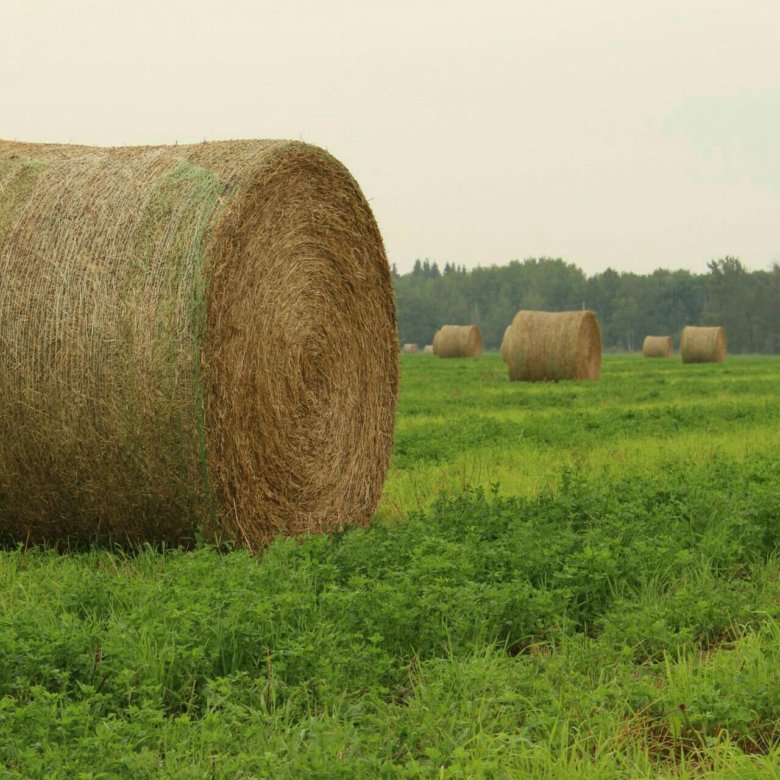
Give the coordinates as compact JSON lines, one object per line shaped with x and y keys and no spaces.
{"x":634,"y":134}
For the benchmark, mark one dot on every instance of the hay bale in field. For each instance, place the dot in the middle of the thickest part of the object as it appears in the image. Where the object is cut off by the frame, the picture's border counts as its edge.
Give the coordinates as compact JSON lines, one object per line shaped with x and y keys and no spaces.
{"x":410,"y":349}
{"x":703,"y":345}
{"x":428,"y":349}
{"x":657,"y":346}
{"x":456,"y":341}
{"x":542,"y":345}
{"x":192,"y":337}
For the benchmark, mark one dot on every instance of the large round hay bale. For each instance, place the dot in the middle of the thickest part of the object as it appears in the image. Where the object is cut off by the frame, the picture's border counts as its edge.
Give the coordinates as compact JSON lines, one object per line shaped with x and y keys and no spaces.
{"x":657,"y":346}
{"x":541,"y":345}
{"x":193,"y":337}
{"x":410,"y":349}
{"x":703,"y":345}
{"x":428,"y":349}
{"x":457,"y":341}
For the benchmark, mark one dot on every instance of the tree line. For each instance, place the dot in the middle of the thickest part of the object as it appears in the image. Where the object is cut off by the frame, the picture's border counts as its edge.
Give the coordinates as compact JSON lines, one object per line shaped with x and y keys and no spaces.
{"x":629,"y":305}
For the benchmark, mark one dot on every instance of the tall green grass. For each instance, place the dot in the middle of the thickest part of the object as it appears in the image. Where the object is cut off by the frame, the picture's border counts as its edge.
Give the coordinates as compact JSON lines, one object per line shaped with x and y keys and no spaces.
{"x":613,"y":612}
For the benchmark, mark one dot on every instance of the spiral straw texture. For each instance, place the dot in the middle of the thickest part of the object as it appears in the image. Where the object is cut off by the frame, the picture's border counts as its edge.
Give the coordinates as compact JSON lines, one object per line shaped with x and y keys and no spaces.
{"x":191,"y":337}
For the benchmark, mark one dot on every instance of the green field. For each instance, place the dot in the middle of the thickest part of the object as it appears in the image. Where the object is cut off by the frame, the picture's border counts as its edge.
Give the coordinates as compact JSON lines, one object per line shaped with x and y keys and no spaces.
{"x":563,"y":581}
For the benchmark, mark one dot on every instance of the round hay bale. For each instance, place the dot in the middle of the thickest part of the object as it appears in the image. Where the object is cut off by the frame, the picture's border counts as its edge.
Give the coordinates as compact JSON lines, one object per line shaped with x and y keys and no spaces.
{"x":540,"y":345}
{"x":703,"y":345}
{"x":428,"y":349}
{"x":457,"y":341}
{"x":410,"y":349}
{"x":657,"y":346}
{"x":193,"y":338}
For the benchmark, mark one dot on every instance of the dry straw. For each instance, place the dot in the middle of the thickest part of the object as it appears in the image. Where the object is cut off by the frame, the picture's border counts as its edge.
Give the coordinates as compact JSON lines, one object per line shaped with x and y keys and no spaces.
{"x":410,"y":349}
{"x":457,"y":341}
{"x":541,"y":345}
{"x":703,"y":345}
{"x":428,"y":349}
{"x":657,"y":346}
{"x":191,"y":337}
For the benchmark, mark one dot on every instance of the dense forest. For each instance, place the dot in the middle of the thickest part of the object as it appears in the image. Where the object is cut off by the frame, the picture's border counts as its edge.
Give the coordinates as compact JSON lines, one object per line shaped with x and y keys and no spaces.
{"x":629,"y":306}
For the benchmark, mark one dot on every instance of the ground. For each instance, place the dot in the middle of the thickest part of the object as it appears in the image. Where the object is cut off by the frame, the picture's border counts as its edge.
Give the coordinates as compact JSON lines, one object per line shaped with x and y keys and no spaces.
{"x":562,"y":580}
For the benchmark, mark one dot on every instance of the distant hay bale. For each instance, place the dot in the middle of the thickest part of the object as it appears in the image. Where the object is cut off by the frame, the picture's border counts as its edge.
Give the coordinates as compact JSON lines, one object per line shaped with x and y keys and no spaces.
{"x":410,"y":349}
{"x":540,"y":345}
{"x":428,"y":349}
{"x":192,"y":337}
{"x":703,"y":345}
{"x":458,"y":341}
{"x":657,"y":346}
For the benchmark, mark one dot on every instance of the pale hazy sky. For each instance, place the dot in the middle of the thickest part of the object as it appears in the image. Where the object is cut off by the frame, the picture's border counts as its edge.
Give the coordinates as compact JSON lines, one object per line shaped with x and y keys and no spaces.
{"x":632,"y":134}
